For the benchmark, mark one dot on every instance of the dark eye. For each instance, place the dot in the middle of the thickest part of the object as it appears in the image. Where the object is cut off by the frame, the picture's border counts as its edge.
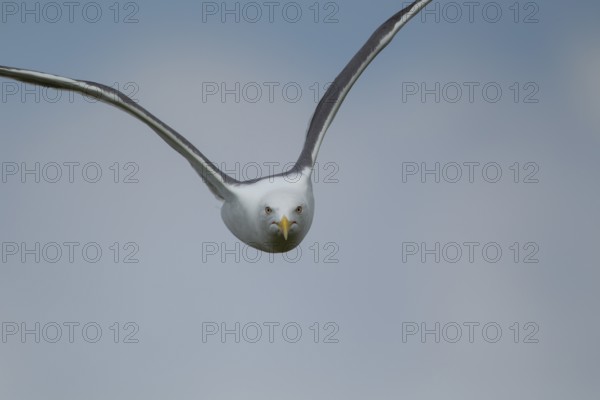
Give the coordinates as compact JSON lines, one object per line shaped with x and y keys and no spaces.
{"x":299,"y":209}
{"x":268,"y":210}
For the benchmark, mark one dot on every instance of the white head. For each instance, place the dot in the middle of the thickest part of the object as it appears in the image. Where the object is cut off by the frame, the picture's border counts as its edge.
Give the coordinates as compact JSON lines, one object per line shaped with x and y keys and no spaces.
{"x":284,"y":218}
{"x":272,"y":216}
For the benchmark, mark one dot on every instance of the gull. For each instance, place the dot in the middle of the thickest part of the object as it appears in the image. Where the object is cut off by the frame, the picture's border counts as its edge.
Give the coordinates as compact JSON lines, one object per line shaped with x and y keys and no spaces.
{"x":272,"y":213}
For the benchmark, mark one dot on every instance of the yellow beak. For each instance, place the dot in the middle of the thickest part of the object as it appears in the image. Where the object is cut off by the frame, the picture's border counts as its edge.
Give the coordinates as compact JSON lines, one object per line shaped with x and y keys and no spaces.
{"x":284,"y":225}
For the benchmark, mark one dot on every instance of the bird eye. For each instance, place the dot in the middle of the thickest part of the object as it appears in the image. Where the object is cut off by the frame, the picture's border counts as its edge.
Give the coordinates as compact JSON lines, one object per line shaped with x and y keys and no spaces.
{"x":268,"y":210}
{"x":299,"y":209}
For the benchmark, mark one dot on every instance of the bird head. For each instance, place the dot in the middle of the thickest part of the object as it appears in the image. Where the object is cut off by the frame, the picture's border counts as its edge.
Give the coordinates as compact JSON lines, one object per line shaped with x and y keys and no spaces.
{"x":285,"y":217}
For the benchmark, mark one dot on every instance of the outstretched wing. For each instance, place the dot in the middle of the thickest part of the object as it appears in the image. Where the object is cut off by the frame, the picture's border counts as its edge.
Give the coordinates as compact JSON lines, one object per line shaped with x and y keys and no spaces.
{"x":335,"y":94}
{"x":217,"y":181}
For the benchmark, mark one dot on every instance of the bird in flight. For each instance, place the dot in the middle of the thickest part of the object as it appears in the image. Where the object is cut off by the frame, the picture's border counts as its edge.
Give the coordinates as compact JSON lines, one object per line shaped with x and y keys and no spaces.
{"x":272,"y":213}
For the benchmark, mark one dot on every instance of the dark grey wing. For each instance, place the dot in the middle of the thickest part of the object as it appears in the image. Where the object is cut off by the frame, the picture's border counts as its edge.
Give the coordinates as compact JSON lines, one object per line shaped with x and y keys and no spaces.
{"x":217,"y":181}
{"x":335,"y":94}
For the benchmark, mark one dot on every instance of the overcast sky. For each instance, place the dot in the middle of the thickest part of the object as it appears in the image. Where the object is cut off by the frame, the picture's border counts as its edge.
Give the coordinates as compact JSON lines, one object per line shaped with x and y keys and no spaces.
{"x":453,"y":251}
